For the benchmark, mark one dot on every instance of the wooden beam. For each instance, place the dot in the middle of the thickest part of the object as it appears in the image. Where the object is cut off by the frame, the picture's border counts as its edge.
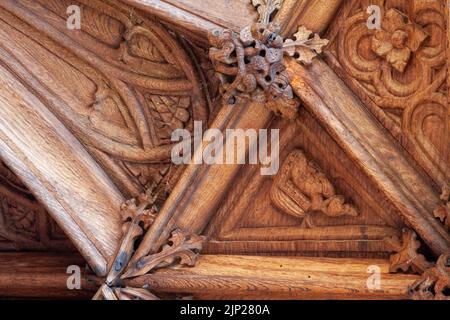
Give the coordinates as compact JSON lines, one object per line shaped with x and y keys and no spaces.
{"x":59,"y":171}
{"x":197,"y":18}
{"x":376,"y":153}
{"x":237,"y":277}
{"x":313,"y":14}
{"x":42,"y":275}
{"x":195,"y":198}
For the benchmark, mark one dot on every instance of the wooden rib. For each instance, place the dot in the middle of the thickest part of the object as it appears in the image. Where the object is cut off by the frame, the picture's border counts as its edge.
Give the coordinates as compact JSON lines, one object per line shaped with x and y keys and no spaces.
{"x":59,"y":171}
{"x":278,"y":278}
{"x":201,"y":17}
{"x":315,"y":15}
{"x":42,"y":275}
{"x":201,"y":187}
{"x":345,"y":118}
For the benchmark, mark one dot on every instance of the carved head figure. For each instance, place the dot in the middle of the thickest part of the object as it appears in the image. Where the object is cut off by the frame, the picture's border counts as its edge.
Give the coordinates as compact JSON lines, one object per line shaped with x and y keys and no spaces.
{"x":301,"y":189}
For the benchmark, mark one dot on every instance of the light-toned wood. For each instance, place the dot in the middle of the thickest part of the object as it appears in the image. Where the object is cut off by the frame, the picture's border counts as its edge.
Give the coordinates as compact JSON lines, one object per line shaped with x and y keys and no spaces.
{"x":58,"y":170}
{"x":315,"y":15}
{"x":24,"y":222}
{"x":408,"y":93}
{"x":247,"y":277}
{"x":42,"y":275}
{"x":360,"y":136}
{"x":197,"y":18}
{"x":202,"y":187}
{"x":86,"y":118}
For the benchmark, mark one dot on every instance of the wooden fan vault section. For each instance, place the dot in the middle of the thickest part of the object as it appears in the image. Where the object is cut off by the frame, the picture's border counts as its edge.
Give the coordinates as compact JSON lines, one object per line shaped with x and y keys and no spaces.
{"x":86,"y":118}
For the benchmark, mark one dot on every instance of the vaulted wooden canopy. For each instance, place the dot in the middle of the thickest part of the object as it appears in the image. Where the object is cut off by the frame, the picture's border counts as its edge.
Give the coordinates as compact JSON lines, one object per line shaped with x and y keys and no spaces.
{"x":80,"y":124}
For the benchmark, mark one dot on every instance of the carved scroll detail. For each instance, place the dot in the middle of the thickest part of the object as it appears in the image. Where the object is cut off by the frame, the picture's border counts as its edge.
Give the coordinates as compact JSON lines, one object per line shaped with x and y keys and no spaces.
{"x":301,"y":189}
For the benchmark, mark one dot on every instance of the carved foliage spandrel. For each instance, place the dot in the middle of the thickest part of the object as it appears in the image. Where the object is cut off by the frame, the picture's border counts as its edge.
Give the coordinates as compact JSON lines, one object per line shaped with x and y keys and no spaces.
{"x":301,"y":189}
{"x":400,"y":72}
{"x":434,"y":280}
{"x":181,"y":248}
{"x":407,"y":256}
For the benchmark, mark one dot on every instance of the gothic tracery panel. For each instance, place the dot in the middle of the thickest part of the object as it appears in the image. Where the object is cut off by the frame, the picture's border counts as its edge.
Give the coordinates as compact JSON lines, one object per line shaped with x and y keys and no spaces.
{"x":24,"y":222}
{"x":122,"y":83}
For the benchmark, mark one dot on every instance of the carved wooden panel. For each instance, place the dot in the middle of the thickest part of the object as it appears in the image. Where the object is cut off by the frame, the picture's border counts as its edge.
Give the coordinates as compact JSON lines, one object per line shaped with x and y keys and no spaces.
{"x":400,"y":72}
{"x":122,"y":83}
{"x":24,"y":222}
{"x":315,"y":205}
{"x":361,"y":157}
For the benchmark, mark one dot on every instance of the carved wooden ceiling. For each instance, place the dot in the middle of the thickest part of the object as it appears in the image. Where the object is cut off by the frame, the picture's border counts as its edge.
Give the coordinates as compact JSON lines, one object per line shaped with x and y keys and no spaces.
{"x":86,"y":118}
{"x":25,"y":224}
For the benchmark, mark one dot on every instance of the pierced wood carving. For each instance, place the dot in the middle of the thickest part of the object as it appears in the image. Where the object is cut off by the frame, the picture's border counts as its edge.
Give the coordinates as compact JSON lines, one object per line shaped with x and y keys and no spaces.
{"x":400,"y":72}
{"x":434,"y":284}
{"x":250,"y":64}
{"x":138,"y":215}
{"x":301,"y":189}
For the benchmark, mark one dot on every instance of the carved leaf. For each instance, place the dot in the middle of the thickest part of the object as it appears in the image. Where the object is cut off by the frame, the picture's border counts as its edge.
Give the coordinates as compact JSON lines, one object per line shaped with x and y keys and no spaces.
{"x":443,"y":214}
{"x":305,"y":48}
{"x":137,"y":218}
{"x":182,"y":249}
{"x":407,"y":256}
{"x":266,"y":8}
{"x":434,"y":282}
{"x":443,"y":211}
